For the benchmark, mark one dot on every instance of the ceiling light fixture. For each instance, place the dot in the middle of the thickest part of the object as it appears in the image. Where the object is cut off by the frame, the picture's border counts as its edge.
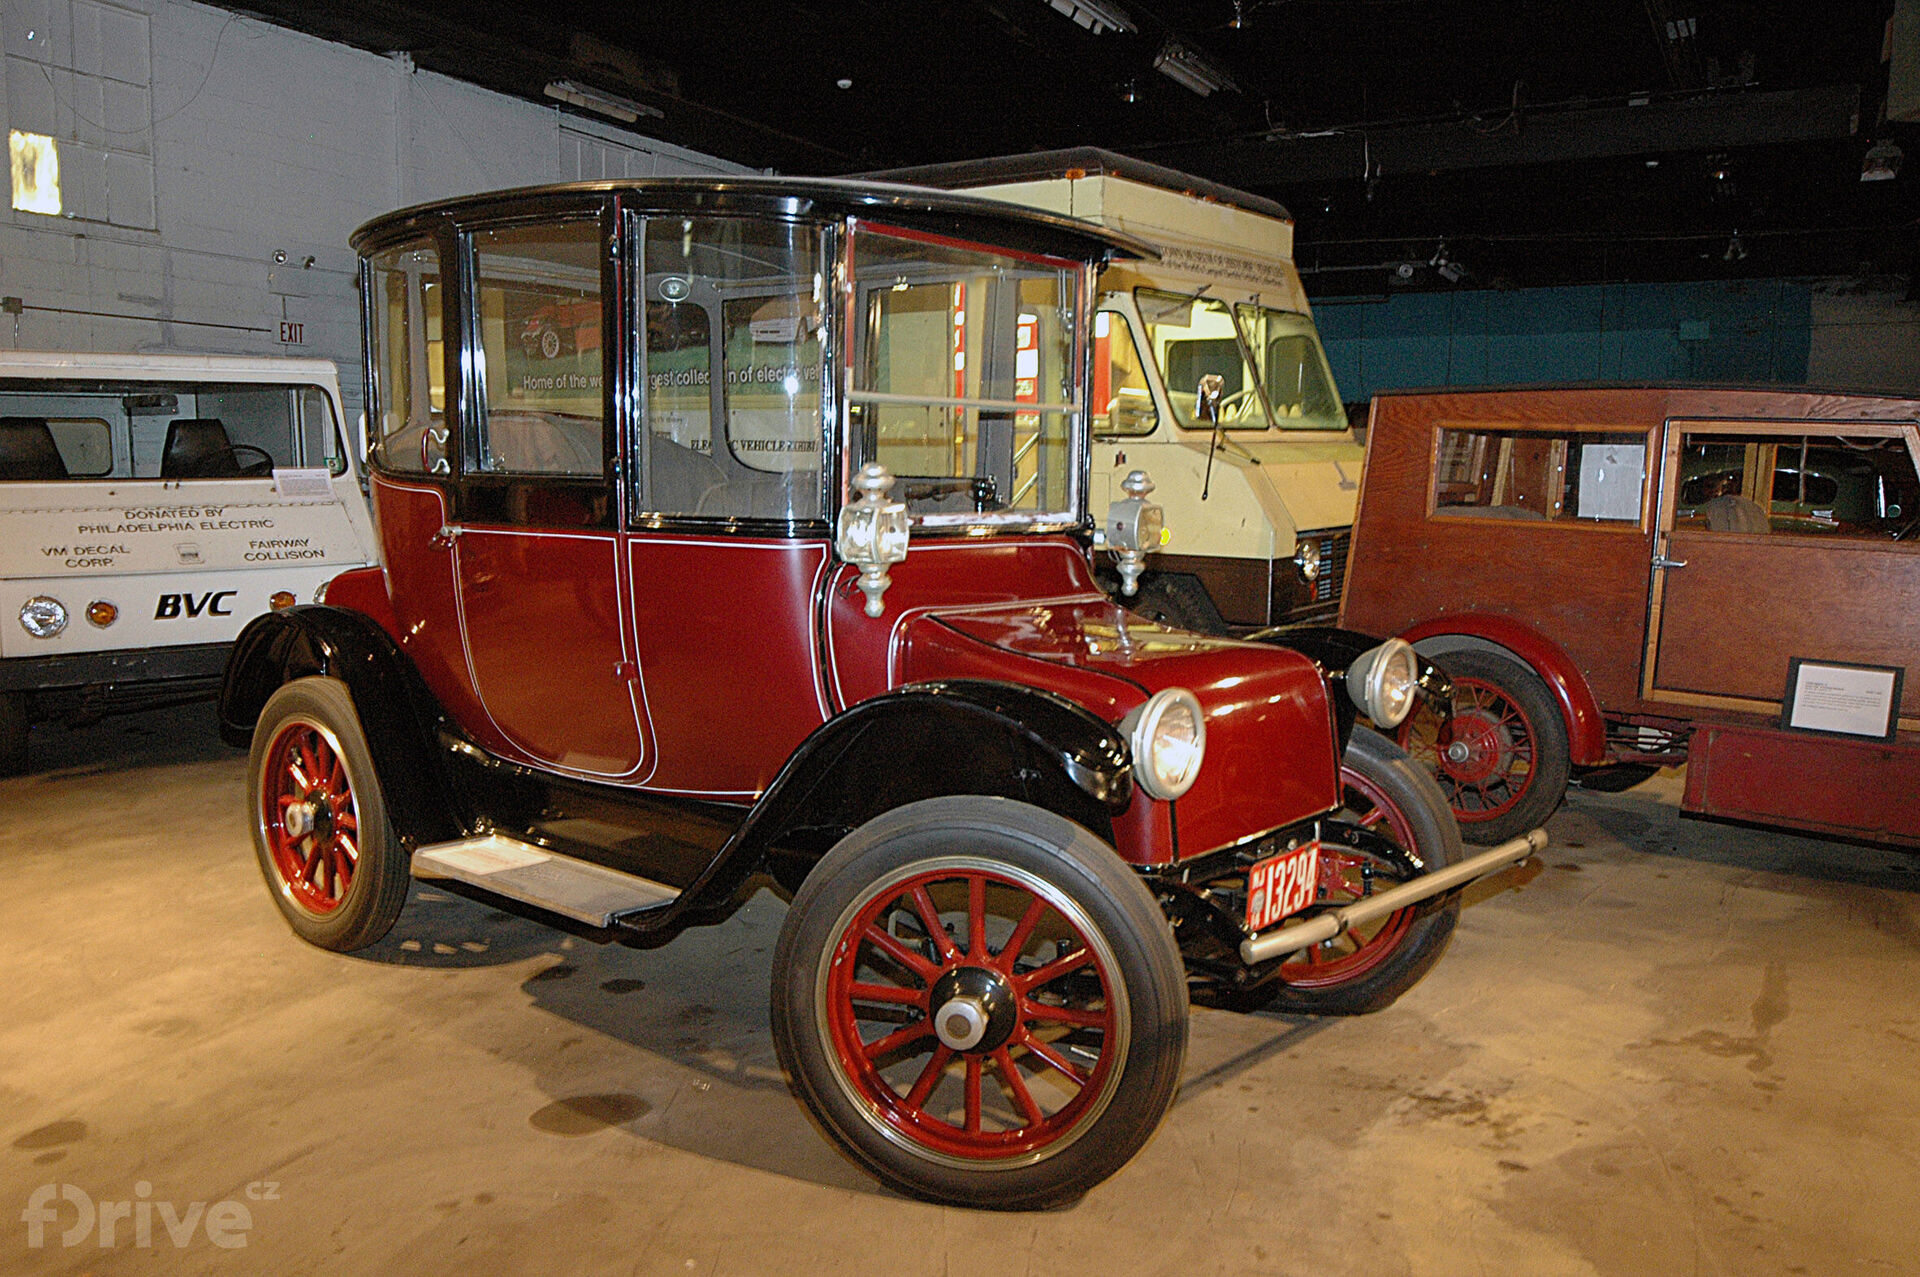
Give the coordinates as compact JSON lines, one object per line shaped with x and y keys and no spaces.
{"x":1736,"y":250}
{"x":1095,"y":15}
{"x":1185,"y":67}
{"x":588,"y":98}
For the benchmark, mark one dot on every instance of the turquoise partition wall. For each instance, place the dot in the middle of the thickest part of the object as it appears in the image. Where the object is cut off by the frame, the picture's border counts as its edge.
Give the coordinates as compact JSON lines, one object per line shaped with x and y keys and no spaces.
{"x":1747,"y":330}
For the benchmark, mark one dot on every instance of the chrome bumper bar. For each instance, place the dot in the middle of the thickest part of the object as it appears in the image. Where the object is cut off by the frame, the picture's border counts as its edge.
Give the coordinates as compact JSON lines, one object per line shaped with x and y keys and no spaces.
{"x":1283,"y":940}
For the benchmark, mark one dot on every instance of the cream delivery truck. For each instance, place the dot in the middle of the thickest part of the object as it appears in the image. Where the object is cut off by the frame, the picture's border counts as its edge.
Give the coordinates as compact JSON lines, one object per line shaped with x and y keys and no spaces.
{"x":150,"y":506}
{"x":1261,"y":496}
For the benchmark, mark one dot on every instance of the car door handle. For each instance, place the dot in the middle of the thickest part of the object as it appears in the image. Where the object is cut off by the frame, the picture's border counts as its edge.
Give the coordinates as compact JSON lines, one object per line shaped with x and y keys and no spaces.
{"x":1662,"y":561}
{"x":445,"y":537}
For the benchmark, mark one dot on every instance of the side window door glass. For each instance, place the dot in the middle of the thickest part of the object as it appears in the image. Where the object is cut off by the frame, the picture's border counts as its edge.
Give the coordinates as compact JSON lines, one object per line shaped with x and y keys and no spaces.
{"x":1799,"y":485}
{"x":409,"y":360}
{"x":1122,"y":398}
{"x":1561,"y":476}
{"x":734,"y":365}
{"x":538,"y":299}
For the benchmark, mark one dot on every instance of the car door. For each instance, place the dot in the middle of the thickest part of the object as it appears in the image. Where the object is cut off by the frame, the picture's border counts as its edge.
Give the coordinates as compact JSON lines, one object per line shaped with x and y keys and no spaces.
{"x":535,"y":544}
{"x":727,"y":541}
{"x":1784,"y":540}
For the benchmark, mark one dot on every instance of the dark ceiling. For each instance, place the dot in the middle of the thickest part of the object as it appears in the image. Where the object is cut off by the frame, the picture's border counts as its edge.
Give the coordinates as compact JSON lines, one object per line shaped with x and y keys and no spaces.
{"x":1542,"y":143}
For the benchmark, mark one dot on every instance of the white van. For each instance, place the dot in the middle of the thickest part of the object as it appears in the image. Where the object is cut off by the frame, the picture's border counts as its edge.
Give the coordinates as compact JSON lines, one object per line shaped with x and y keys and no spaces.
{"x":150,"y":506}
{"x":1261,"y":508}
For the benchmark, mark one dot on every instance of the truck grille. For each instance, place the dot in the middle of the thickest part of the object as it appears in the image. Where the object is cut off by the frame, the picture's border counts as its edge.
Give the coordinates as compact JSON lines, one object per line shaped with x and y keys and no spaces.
{"x":1333,"y":565}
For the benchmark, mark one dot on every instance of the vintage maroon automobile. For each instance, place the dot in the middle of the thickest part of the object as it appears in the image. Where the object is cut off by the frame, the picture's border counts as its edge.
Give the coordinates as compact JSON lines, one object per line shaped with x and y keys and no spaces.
{"x":1618,"y":578}
{"x":646,"y":636}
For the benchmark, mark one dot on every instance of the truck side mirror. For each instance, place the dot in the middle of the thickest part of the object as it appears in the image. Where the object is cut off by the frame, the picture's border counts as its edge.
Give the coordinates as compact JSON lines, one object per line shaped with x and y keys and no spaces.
{"x":1135,"y":527}
{"x":873,"y":533}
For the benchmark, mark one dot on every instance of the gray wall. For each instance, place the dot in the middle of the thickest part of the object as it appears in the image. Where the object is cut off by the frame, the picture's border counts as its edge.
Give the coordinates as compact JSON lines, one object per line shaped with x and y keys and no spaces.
{"x":196,"y":145}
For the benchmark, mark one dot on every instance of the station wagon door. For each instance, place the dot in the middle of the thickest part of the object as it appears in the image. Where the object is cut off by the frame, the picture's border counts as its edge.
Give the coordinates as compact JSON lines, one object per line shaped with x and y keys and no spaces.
{"x":1784,"y":540}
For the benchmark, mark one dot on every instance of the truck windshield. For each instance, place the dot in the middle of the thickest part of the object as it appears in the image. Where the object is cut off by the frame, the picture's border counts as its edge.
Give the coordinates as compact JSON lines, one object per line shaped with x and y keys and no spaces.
{"x":1287,"y":386}
{"x":165,"y":429}
{"x":965,"y":362}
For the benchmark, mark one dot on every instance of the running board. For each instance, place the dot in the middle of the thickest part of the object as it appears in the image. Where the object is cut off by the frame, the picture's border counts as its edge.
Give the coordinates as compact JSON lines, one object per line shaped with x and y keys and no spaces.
{"x":573,"y":888}
{"x":1291,"y":939}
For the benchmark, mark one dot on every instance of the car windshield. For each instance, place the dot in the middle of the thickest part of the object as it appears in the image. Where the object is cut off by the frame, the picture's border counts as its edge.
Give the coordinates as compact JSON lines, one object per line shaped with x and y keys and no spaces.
{"x":965,"y":362}
{"x":1287,"y":384}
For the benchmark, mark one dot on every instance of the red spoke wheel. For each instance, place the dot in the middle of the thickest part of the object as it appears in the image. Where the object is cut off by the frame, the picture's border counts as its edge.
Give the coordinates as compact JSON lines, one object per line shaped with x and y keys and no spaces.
{"x":981,"y":1002}
{"x":1504,"y":764}
{"x":320,"y":828}
{"x":1368,"y":967}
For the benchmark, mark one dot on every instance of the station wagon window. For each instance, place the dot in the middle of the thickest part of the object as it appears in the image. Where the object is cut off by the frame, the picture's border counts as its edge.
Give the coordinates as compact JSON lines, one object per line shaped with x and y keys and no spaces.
{"x":963,"y":377}
{"x":537,"y":292}
{"x":1122,"y":399}
{"x":1551,"y":475}
{"x":1797,"y":484}
{"x":734,"y":363}
{"x":409,"y":364}
{"x":165,"y":430}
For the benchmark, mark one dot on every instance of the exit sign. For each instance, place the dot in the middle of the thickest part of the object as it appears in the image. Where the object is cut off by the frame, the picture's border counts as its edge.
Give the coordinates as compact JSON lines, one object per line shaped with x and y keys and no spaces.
{"x":292,"y":334}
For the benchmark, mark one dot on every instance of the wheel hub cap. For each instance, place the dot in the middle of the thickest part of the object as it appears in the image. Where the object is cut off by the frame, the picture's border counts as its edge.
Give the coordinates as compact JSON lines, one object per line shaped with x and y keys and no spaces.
{"x":974,"y":1009}
{"x":1475,"y":751}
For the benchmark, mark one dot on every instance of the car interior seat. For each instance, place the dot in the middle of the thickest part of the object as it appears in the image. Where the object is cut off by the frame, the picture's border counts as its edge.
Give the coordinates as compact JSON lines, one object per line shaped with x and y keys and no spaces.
{"x":1735,"y":514}
{"x":198,"y":448}
{"x":27,"y":450}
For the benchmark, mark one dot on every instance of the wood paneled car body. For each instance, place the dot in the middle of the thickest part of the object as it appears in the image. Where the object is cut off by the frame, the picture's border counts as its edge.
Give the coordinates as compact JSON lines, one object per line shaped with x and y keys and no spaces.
{"x":646,"y":634}
{"x":1618,"y":578}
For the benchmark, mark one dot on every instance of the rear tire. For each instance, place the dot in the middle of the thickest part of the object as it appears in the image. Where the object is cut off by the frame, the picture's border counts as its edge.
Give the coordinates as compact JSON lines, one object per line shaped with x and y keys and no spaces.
{"x":337,"y":872}
{"x":980,"y":1002}
{"x":1513,"y":758}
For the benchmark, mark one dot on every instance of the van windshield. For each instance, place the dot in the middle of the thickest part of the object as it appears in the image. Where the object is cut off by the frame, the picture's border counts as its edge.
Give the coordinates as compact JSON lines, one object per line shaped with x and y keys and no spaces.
{"x":164,"y":430}
{"x":1286,"y":386}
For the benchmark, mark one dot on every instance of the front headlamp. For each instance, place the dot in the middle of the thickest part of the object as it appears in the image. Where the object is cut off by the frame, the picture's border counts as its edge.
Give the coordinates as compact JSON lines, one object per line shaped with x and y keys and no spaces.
{"x":42,"y":616}
{"x":1382,"y":682}
{"x":1306,"y":557}
{"x":1168,"y":736}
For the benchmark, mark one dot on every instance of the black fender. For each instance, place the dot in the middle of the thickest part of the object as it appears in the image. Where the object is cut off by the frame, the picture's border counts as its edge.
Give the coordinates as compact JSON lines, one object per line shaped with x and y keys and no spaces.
{"x":1336,"y":649}
{"x":924,"y":740}
{"x":397,"y":713}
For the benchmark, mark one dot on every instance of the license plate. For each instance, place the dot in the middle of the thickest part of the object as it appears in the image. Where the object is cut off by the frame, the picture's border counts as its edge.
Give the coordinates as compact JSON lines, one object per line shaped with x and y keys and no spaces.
{"x":1282,"y":885}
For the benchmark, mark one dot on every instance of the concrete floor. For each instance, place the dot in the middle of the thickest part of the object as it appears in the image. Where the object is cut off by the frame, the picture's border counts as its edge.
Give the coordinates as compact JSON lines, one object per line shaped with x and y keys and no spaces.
{"x":1671,"y":1047}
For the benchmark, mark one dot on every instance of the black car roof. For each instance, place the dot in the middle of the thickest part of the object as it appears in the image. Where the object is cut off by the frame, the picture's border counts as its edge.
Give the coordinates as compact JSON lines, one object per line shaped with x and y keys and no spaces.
{"x":924,"y":208}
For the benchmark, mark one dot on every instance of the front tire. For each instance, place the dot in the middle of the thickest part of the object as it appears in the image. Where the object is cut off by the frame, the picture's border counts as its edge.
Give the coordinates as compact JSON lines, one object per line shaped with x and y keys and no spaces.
{"x":981,"y":1003}
{"x":1504,"y":769}
{"x":1368,"y":967}
{"x":320,"y":828}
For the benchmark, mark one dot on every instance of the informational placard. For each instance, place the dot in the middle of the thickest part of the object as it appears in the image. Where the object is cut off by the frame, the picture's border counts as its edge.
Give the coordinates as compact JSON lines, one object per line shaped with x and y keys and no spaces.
{"x":1611,"y":477}
{"x":1844,"y":699}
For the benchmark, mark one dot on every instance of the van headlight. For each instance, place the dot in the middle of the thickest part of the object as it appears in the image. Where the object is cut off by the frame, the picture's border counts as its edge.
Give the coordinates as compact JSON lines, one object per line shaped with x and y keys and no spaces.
{"x":1383,"y":680}
{"x":43,"y":617}
{"x":1168,"y":735}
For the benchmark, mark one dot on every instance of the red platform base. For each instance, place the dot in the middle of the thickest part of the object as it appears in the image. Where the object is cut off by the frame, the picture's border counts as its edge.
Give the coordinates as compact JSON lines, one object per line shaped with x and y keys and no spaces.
{"x":1848,"y":788}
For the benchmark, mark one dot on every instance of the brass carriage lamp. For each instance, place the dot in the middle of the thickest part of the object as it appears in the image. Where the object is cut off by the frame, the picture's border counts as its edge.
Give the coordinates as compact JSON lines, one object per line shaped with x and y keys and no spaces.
{"x":1135,"y":528}
{"x":873,"y":532}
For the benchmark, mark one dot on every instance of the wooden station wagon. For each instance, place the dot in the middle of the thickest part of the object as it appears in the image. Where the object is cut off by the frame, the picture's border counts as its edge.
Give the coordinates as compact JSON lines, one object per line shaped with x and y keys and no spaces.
{"x":1618,"y":578}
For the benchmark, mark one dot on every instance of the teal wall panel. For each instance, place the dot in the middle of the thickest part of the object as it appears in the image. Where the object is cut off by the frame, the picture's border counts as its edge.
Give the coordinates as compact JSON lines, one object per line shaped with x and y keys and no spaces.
{"x":1758,"y":331}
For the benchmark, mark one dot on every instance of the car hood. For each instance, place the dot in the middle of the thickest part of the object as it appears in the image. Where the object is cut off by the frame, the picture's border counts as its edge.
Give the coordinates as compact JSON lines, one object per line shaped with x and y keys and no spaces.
{"x":1272,"y":755}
